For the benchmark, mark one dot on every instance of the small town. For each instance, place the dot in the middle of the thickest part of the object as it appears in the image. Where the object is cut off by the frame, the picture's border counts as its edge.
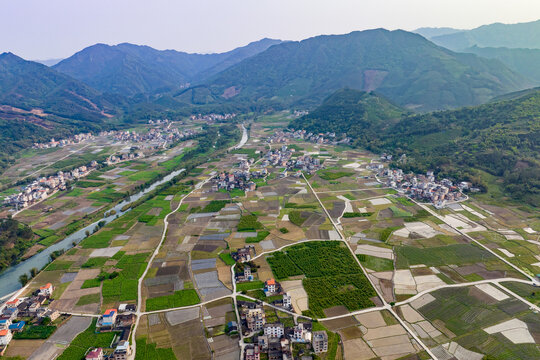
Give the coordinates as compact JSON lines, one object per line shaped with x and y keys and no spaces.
{"x":238,"y":179}
{"x":154,"y":138}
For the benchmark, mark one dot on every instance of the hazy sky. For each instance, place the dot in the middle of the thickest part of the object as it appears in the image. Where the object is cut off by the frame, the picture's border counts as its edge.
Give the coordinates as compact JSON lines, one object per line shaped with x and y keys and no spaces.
{"x":42,"y":29}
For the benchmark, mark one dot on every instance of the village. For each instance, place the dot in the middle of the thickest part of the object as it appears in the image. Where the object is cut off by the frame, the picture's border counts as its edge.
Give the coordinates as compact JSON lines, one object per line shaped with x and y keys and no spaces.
{"x":23,"y":318}
{"x":425,"y":188}
{"x":213,"y":118}
{"x":282,"y":157}
{"x":283,"y":136}
{"x":75,"y":139}
{"x":43,"y":187}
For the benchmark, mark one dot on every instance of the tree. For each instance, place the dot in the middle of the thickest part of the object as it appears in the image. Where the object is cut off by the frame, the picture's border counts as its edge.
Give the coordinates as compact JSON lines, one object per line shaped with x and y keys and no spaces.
{"x":23,"y":279}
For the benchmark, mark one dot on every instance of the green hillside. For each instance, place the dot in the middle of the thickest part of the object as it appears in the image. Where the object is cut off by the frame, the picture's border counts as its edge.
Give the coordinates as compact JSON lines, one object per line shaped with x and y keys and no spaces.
{"x":359,"y":114}
{"x":496,"y":144}
{"x":523,"y":61}
{"x":402,"y":66}
{"x":129,"y":69}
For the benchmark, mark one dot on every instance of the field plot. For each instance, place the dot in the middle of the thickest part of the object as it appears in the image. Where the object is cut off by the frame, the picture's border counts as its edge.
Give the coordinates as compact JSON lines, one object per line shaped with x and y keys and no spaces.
{"x":374,"y":335}
{"x":179,"y":335}
{"x":476,"y":321}
{"x":332,"y":277}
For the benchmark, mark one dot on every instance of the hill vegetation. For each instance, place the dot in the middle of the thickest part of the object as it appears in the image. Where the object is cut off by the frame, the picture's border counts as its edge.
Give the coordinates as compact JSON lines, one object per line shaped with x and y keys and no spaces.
{"x":129,"y":69}
{"x":15,"y":239}
{"x":522,"y":61}
{"x":498,"y":140}
{"x":405,"y":67}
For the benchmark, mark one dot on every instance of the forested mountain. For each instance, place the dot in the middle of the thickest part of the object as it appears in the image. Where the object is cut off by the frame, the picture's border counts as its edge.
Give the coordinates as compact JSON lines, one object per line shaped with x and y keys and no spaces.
{"x":405,"y":67}
{"x":500,"y":138}
{"x":129,"y":69}
{"x":522,"y":35}
{"x":523,"y":61}
{"x":37,"y":102}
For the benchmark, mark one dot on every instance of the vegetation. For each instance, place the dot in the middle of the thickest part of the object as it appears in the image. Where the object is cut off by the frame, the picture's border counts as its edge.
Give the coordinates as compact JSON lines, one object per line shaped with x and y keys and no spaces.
{"x":35,"y":332}
{"x":261,"y":235}
{"x":149,"y":351}
{"x":332,"y":275}
{"x":227,"y":259}
{"x":215,"y":206}
{"x":180,"y":298}
{"x":356,"y":214}
{"x":434,"y":256}
{"x":498,"y":139}
{"x":296,"y":218}
{"x":85,"y":340}
{"x":15,"y":239}
{"x":249,"y":223}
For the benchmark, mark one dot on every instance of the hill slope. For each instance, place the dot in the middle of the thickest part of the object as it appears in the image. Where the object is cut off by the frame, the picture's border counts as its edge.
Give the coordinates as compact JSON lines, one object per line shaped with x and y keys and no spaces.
{"x":522,"y":35}
{"x":37,"y":102}
{"x":129,"y":69}
{"x":501,"y":139}
{"x":522,"y":61}
{"x":359,"y":114}
{"x":404,"y":67}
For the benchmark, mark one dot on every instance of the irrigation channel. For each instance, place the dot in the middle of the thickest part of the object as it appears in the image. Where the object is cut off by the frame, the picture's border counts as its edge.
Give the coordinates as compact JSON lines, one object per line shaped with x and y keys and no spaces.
{"x":9,"y":279}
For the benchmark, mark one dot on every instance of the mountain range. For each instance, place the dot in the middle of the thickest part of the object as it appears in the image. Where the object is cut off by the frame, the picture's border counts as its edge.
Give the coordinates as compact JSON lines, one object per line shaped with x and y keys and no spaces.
{"x":405,"y":67}
{"x":128,"y":69}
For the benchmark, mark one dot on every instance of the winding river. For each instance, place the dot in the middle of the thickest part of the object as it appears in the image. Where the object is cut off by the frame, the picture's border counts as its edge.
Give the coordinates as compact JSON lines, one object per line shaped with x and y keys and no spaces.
{"x":9,"y":279}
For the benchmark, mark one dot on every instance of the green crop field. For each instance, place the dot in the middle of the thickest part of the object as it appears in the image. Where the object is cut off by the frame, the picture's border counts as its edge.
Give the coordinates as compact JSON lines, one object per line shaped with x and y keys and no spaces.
{"x":332,"y":275}
{"x":179,"y":298}
{"x":450,"y":254}
{"x":149,"y":351}
{"x":85,"y":340}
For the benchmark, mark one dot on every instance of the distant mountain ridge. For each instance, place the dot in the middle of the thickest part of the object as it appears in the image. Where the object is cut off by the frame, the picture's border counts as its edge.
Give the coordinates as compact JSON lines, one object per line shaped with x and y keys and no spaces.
{"x":521,"y":35}
{"x":404,"y":67}
{"x":429,"y":32}
{"x":129,"y":69}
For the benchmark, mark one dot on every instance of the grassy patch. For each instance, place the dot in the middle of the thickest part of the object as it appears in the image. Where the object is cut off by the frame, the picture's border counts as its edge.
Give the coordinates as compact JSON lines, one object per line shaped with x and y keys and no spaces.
{"x":215,"y":206}
{"x":333,"y":175}
{"x":261,"y":235}
{"x":250,"y":285}
{"x":227,"y":259}
{"x":85,"y":340}
{"x":451,"y":254}
{"x":59,"y":265}
{"x":179,"y":298}
{"x":147,"y":351}
{"x":376,"y":263}
{"x":89,"y":299}
{"x":35,"y":332}
{"x":249,"y":223}
{"x":296,"y":218}
{"x":95,"y":262}
{"x":91,"y":283}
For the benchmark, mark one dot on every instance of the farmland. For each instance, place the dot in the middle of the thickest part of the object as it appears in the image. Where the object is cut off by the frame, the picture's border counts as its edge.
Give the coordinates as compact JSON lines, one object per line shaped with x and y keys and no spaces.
{"x":332,"y":277}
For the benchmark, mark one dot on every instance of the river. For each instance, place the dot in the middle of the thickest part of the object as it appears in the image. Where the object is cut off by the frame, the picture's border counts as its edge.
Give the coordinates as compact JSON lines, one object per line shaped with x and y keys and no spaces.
{"x":9,"y":279}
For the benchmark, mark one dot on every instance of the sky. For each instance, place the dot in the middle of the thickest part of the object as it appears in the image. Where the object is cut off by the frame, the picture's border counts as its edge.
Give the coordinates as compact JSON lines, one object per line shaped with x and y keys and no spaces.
{"x":46,"y":29}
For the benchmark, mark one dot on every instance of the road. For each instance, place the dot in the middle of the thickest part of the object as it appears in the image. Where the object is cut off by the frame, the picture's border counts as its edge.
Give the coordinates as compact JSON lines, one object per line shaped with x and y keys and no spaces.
{"x":139,"y":313}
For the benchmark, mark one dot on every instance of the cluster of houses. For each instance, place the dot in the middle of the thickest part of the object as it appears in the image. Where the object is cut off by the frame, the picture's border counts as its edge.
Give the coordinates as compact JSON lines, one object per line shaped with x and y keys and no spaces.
{"x":33,"y":307}
{"x":132,"y":155}
{"x":213,"y":118}
{"x":43,"y":187}
{"x":155,"y":137}
{"x":238,"y":179}
{"x":75,"y":139}
{"x":425,"y":187}
{"x":283,"y":136}
{"x":275,"y":339}
{"x":300,"y":113}
{"x":282,"y":157}
{"x":122,"y":320}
